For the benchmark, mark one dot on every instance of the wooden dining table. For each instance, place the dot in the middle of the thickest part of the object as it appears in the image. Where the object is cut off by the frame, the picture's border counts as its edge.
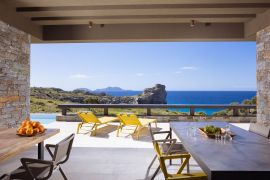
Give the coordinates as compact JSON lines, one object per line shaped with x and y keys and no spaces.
{"x":12,"y":144}
{"x":246,"y":156}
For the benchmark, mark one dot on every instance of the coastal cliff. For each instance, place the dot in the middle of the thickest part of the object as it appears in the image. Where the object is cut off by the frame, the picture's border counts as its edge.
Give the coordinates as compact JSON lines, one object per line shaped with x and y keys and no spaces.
{"x":154,"y":95}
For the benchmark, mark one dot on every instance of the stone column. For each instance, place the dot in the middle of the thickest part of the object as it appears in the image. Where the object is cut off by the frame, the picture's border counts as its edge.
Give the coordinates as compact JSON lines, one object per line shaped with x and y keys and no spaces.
{"x":14,"y":75}
{"x":263,"y":76}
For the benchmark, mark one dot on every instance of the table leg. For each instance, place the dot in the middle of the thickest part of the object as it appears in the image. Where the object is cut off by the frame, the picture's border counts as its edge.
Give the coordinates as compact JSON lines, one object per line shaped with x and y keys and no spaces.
{"x":41,"y":150}
{"x":155,"y":173}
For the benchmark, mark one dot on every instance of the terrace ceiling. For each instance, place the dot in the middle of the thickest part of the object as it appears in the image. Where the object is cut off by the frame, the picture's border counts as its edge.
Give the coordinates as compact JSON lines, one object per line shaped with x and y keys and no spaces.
{"x":137,"y":20}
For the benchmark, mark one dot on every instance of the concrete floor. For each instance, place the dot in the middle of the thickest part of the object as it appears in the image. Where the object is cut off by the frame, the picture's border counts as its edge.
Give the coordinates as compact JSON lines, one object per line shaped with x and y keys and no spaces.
{"x":104,"y":156}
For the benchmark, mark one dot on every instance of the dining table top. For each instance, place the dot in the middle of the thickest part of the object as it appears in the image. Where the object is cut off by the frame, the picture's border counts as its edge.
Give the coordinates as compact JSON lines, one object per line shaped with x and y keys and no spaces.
{"x":12,"y":144}
{"x":246,"y":153}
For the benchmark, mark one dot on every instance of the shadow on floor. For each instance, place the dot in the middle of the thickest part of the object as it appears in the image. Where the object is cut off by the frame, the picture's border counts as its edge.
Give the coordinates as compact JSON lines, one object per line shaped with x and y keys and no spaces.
{"x":102,"y":131}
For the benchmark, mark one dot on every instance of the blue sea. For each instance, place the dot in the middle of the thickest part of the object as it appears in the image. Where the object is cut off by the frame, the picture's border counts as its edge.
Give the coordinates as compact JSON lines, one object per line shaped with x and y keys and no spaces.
{"x":198,"y":97}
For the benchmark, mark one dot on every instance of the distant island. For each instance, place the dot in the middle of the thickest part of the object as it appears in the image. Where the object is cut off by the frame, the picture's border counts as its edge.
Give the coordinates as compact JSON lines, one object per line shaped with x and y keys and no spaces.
{"x":107,"y":89}
{"x":110,"y":89}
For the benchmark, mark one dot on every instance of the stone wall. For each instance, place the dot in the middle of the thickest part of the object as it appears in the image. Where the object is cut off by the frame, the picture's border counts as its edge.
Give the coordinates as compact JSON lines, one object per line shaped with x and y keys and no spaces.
{"x":14,"y":75}
{"x":263,"y":75}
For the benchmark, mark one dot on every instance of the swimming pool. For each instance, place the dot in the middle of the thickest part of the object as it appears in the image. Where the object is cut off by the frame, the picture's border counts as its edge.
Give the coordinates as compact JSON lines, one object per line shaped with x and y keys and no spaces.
{"x":43,"y":118}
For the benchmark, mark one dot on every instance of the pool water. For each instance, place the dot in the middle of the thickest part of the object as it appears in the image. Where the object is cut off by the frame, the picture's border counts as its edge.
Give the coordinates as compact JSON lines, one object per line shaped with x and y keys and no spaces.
{"x":43,"y":118}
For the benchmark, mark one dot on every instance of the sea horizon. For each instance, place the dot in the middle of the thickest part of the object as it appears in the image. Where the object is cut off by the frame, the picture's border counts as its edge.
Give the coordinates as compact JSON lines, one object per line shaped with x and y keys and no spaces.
{"x":198,"y":97}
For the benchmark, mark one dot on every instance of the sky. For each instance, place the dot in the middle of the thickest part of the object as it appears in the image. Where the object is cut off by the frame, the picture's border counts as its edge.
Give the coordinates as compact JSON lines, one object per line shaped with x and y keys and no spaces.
{"x":196,"y":66}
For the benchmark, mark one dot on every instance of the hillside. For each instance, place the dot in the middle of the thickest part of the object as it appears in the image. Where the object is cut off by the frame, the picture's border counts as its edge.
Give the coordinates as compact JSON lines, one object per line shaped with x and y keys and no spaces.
{"x":47,"y":99}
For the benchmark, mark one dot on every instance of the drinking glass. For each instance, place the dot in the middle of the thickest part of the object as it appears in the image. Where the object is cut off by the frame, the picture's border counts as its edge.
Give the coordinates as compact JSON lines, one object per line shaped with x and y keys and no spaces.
{"x":222,"y":137}
{"x":217,"y":135}
{"x":193,"y":131}
{"x":188,"y":131}
{"x":227,"y":128}
{"x":227,"y":137}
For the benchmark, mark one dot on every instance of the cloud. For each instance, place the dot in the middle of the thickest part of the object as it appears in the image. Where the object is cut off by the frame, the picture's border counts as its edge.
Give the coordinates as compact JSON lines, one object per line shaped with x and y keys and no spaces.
{"x":139,"y":74}
{"x":178,"y":72}
{"x":189,"y":68}
{"x":80,"y":76}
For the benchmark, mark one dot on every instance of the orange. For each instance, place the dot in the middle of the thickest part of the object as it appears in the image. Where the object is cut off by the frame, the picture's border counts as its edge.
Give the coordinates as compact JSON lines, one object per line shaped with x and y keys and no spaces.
{"x":29,"y":126}
{"x":22,"y":131}
{"x":41,"y":128}
{"x":19,"y":129}
{"x":35,"y":124}
{"x":28,"y":123}
{"x":24,"y":122}
{"x":29,"y":131}
{"x":36,"y":130}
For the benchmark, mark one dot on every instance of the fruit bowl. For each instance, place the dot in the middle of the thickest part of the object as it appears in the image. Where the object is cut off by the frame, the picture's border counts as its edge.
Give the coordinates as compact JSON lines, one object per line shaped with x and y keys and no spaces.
{"x":212,"y":133}
{"x":30,"y":128}
{"x":30,"y":135}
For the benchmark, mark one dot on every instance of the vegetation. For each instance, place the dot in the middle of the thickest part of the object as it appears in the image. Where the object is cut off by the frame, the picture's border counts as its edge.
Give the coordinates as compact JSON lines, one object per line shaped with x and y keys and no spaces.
{"x":229,"y":112}
{"x":211,"y":129}
{"x":47,"y":99}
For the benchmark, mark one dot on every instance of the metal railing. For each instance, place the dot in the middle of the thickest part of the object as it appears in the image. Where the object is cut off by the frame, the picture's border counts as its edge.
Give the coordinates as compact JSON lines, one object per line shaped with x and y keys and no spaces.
{"x":192,"y":107}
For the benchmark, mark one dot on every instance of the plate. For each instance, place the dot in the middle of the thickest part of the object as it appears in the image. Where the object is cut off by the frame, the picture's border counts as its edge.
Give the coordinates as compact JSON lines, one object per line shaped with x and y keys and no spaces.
{"x":25,"y":135}
{"x":210,"y":135}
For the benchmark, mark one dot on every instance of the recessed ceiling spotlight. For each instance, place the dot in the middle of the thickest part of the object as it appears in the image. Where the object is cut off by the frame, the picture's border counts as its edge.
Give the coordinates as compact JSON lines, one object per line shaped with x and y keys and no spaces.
{"x":208,"y":24}
{"x":192,"y":23}
{"x":90,"y":25}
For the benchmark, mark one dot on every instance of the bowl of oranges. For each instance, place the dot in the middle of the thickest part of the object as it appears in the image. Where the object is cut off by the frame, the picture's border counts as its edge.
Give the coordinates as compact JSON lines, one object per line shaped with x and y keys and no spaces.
{"x":30,"y":128}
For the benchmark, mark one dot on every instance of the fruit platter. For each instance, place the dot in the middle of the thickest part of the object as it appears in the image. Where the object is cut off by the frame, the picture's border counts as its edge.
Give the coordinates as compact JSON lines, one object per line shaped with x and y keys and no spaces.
{"x":30,"y":128}
{"x":210,"y":131}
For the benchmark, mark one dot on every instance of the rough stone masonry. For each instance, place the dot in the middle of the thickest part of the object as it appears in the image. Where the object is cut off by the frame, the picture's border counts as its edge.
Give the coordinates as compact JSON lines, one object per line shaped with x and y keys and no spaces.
{"x":14,"y":75}
{"x":263,"y":76}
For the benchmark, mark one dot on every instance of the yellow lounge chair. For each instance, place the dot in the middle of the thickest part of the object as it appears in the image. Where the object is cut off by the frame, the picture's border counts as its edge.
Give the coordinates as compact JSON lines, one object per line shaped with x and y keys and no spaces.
{"x":90,"y":118}
{"x":133,"y":120}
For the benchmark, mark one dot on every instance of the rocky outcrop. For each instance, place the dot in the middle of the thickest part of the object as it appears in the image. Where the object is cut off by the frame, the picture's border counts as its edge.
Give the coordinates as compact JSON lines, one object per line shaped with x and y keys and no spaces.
{"x":154,"y":95}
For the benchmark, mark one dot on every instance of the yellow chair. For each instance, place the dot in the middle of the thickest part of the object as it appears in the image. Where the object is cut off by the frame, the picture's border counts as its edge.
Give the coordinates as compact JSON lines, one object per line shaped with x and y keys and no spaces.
{"x":133,"y":120}
{"x":90,"y":118}
{"x":168,"y":146}
{"x":178,"y":175}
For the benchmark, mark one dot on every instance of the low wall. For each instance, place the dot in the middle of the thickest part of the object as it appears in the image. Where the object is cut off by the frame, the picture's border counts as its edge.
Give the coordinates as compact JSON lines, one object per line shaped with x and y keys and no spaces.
{"x":234,"y":119}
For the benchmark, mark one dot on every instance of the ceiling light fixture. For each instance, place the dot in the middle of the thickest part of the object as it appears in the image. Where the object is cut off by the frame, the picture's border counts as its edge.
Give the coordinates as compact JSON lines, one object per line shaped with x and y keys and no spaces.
{"x":208,"y":24}
{"x":90,"y":25}
{"x":192,"y":23}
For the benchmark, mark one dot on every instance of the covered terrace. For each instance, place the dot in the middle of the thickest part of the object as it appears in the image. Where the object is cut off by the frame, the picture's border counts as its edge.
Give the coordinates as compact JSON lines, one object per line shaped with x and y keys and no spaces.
{"x":23,"y":22}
